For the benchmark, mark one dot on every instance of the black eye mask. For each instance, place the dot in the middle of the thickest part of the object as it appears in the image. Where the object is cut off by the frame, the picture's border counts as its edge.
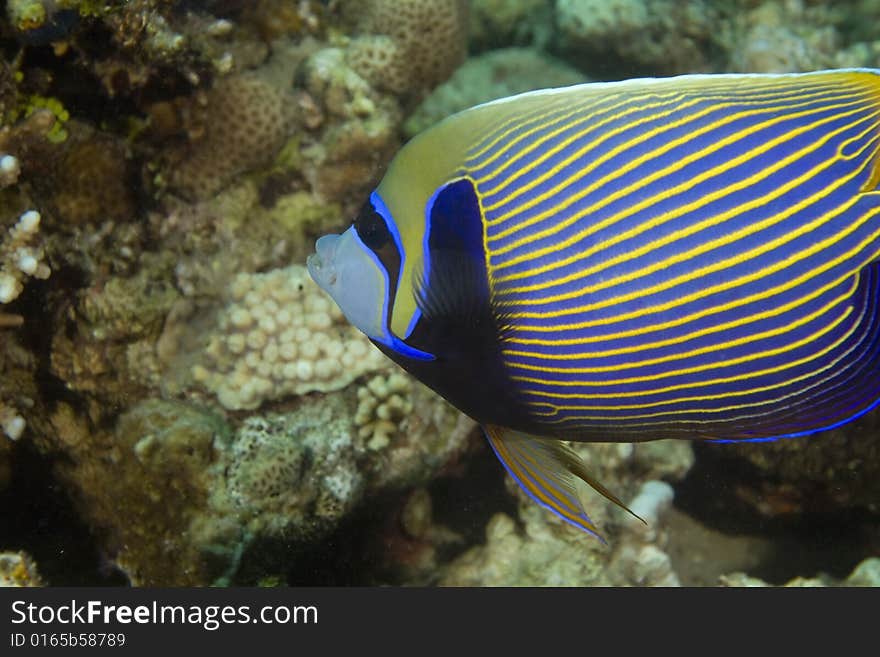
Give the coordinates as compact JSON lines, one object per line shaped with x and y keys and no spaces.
{"x":371,"y":228}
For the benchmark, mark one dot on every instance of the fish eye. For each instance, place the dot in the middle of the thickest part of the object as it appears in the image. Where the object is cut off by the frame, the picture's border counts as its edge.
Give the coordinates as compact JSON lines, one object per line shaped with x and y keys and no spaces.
{"x":371,"y":228}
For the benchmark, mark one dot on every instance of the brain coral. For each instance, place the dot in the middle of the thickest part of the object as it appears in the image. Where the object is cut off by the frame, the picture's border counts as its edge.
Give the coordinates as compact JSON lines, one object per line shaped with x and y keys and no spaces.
{"x":281,"y":335}
{"x":409,"y":45}
{"x":246,"y":121}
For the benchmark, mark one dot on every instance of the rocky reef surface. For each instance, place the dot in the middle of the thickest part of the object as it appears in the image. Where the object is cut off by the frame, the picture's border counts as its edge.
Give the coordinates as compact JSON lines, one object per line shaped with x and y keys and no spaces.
{"x":181,"y":405}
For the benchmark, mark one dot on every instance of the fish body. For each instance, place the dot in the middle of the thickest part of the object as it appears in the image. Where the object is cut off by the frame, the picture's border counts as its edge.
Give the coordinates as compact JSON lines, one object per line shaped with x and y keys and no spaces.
{"x":689,"y":257}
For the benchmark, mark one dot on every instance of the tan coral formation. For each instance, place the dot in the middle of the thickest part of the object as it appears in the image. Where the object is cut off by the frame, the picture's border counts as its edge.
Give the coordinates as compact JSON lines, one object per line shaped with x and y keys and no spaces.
{"x":409,"y":46}
{"x":668,"y":36}
{"x":245,"y":122}
{"x":199,"y":493}
{"x":106,"y":325}
{"x":358,"y":128}
{"x":92,"y":182}
{"x":281,"y":335}
{"x":787,"y":37}
{"x":542,"y":550}
{"x":382,"y":404}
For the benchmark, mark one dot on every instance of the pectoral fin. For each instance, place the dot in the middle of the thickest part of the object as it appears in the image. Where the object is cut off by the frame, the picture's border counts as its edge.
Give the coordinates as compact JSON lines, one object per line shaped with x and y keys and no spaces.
{"x":548,"y":471}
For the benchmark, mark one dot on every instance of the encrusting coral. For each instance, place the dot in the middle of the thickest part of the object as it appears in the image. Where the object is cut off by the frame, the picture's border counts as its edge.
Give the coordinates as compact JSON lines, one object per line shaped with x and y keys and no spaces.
{"x":357,"y":128}
{"x":866,"y":573}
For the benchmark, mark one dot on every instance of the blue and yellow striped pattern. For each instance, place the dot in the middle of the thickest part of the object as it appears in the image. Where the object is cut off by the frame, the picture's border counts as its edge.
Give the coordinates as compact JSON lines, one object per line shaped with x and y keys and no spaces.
{"x":688,"y":257}
{"x":532,"y":465}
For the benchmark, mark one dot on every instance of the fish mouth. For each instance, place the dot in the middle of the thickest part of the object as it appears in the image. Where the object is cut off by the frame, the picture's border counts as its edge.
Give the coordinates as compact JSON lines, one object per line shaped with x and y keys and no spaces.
{"x":321,"y":263}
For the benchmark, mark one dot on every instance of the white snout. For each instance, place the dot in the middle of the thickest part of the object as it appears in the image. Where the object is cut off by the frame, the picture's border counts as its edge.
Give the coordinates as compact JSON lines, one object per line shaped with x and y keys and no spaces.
{"x":352,"y":274}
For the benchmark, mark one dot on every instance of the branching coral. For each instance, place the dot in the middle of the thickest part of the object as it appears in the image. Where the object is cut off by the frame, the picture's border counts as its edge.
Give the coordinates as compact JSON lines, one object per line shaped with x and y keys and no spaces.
{"x":382,"y":404}
{"x":20,"y":257}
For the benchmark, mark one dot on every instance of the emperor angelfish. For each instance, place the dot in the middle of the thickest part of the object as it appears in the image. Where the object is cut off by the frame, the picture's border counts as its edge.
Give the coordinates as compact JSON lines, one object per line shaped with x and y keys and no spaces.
{"x":689,"y":257}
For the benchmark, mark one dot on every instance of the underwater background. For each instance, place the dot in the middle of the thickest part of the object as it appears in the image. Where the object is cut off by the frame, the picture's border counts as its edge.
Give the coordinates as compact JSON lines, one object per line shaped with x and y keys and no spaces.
{"x":181,"y":405}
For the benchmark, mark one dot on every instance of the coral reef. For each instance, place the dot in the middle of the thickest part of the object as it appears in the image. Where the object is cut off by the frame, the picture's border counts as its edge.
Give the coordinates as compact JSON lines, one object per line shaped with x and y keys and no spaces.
{"x":78,"y":198}
{"x":823,"y":473}
{"x":20,"y":258}
{"x":659,"y":36}
{"x":492,"y":75}
{"x":281,"y":335}
{"x":244,"y":122}
{"x":164,"y":169}
{"x":357,"y":128}
{"x":21,"y":406}
{"x":781,"y":38}
{"x":538,"y":549}
{"x":867,"y":573}
{"x":19,"y":570}
{"x":295,"y":475}
{"x":502,"y":23}
{"x":199,"y":496}
{"x":106,"y":326}
{"x":157,"y":466}
{"x":408,"y":46}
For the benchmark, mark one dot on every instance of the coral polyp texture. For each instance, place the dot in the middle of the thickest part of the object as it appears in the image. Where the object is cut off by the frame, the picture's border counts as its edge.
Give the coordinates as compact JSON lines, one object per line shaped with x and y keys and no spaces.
{"x":245,"y":122}
{"x":409,"y":45}
{"x":382,"y":404}
{"x":11,"y":422}
{"x":79,"y":198}
{"x":281,"y":335}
